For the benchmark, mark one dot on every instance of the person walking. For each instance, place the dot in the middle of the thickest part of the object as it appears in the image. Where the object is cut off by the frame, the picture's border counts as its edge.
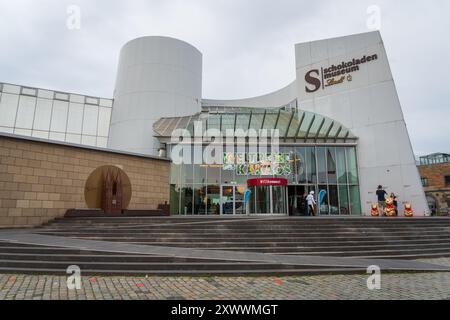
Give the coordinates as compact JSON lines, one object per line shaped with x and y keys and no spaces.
{"x":381,"y":195}
{"x":311,"y":204}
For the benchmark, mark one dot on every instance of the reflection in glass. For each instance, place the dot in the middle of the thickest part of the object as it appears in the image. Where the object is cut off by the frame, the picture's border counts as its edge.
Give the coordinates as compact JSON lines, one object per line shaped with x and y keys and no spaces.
{"x":213,"y":202}
{"x":352,"y":166}
{"x":331,"y":165}
{"x":322,"y":200}
{"x":322,"y":165}
{"x":311,"y":169}
{"x":343,"y":200}
{"x":341,"y":166}
{"x":355,"y":200}
{"x":200,"y":200}
{"x":186,"y":201}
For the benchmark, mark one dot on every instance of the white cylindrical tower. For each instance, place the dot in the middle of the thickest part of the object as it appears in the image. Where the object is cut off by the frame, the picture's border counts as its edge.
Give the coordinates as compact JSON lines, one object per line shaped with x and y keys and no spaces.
{"x":157,"y":77}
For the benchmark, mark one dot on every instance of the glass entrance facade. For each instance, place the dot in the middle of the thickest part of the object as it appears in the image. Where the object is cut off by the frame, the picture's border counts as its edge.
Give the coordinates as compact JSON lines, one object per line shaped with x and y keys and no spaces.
{"x":329,"y":170}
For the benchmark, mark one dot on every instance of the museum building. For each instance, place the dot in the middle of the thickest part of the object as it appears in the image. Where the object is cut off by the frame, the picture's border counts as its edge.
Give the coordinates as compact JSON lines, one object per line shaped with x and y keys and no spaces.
{"x":326,"y":132}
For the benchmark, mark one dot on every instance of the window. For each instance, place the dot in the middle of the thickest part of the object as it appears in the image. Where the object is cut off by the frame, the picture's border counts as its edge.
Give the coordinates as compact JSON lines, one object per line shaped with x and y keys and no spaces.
{"x":447,"y":180}
{"x":424,"y":182}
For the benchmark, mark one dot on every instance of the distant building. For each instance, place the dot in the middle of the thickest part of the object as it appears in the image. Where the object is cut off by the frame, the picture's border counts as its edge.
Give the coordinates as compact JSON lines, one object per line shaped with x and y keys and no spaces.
{"x":435,"y":173}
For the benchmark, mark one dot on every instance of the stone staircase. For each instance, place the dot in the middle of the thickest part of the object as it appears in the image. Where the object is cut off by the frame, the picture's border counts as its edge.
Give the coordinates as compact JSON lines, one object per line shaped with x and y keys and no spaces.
{"x":374,"y":238}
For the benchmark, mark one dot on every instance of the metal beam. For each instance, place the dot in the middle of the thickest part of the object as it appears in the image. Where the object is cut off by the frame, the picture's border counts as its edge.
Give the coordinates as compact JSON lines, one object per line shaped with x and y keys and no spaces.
{"x":338,"y":133}
{"x":329,"y":131}
{"x":320,"y":129}
{"x":300,"y":126}
{"x":309,"y":128}
{"x":264,"y":119}
{"x":278,"y":120}
{"x":289,"y":126}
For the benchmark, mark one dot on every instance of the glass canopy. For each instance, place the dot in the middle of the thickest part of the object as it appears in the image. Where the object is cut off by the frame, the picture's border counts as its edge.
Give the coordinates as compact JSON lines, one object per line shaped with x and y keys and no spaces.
{"x":295,"y":125}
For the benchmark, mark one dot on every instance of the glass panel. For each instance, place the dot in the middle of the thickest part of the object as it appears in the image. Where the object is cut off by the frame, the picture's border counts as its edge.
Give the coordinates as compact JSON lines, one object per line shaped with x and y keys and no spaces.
{"x":186,"y":201}
{"x":187,"y":174}
{"x":77,"y":98}
{"x":94,"y":101}
{"x":257,"y":120}
{"x":9,"y":88}
{"x":200,"y":174}
{"x":311,"y":170}
{"x":61,"y":96}
{"x":25,"y":113}
{"x":43,"y":114}
{"x":102,"y":142}
{"x":22,"y":132}
{"x":283,"y":123}
{"x":46,"y":94}
{"x":89,"y":140}
{"x":59,"y":116}
{"x":271,"y":120}
{"x":213,"y":174}
{"x":73,"y":138}
{"x":29,"y":92}
{"x":40,"y":134}
{"x":75,"y":118}
{"x":322,"y":165}
{"x":352,"y":166}
{"x":305,"y":125}
{"x":239,"y":200}
{"x":301,"y":165}
{"x":228,"y":122}
{"x":341,"y":165}
{"x":331,"y":165}
{"x":343,"y":200}
{"x":174,"y":199}
{"x":213,"y":204}
{"x":227,"y":200}
{"x":106,"y":103}
{"x":334,"y":200}
{"x":263,"y":200}
{"x":315,"y":127}
{"x":200,"y":200}
{"x":355,"y":201}
{"x":322,"y":200}
{"x":8,"y":109}
{"x":104,"y":119}
{"x":7,"y":130}
{"x":242,"y":121}
{"x":279,"y":200}
{"x":90,"y":120}
{"x":214,"y":122}
{"x":57,"y":136}
{"x":325,"y":128}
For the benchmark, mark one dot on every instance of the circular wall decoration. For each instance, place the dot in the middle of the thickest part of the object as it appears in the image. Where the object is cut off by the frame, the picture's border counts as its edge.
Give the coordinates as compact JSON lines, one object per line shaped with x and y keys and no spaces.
{"x":94,"y":189}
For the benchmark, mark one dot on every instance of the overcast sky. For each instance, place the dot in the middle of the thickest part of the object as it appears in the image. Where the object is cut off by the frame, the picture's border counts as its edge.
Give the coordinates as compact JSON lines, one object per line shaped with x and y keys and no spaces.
{"x":247,"y":46}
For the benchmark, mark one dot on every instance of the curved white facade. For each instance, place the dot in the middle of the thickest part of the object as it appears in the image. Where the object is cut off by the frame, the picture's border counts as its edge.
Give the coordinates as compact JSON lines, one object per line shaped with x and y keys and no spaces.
{"x":157,"y":77}
{"x":272,"y":100}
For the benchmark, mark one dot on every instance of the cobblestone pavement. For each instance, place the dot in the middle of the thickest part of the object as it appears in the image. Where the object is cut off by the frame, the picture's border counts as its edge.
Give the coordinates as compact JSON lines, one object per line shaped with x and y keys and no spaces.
{"x":434,"y":286}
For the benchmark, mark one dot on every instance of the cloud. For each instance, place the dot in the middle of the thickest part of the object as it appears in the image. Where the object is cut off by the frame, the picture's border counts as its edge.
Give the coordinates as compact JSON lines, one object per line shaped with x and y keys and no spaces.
{"x":248,"y":46}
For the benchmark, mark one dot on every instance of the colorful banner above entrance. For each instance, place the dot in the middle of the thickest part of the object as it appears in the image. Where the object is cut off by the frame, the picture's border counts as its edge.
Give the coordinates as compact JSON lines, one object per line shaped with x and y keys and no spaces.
{"x":258,"y":164}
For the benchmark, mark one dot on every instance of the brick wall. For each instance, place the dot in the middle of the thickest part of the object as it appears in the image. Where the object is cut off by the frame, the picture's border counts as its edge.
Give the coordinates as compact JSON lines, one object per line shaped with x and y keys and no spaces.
{"x":40,"y":181}
{"x":437,"y":189}
{"x":435,"y":174}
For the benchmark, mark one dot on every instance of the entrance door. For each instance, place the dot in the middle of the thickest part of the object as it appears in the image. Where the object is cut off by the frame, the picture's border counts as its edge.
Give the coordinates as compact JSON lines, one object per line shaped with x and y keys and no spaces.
{"x":232,"y":200}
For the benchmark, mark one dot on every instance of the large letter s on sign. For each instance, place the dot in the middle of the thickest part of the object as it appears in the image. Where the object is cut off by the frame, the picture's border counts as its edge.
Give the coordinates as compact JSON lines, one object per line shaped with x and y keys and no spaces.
{"x":309,"y":78}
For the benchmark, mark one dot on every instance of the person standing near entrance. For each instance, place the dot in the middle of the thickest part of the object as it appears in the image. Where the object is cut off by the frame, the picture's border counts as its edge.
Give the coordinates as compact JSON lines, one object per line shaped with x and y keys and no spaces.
{"x":311,"y":204}
{"x":381,"y":195}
